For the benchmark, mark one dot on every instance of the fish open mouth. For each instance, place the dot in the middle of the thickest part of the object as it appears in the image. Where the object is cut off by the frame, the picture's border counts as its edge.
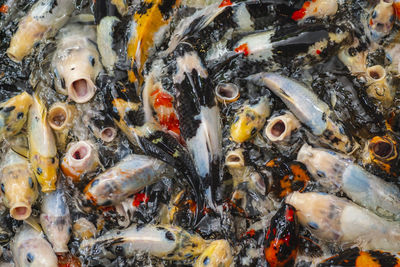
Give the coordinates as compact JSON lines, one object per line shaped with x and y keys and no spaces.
{"x":81,"y":90}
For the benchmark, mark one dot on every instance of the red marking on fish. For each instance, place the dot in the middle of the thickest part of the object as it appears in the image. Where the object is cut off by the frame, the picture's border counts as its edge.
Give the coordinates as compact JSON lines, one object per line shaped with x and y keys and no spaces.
{"x":139,"y":199}
{"x":318,"y":51}
{"x":4,"y":8}
{"x":289,"y":215}
{"x":251,"y":232}
{"x":225,"y":3}
{"x":243,"y":49}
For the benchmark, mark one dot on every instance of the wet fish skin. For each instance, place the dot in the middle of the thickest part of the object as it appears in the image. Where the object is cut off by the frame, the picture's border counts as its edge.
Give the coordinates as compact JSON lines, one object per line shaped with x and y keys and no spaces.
{"x":162,"y":241}
{"x":306,"y":106}
{"x":127,"y":177}
{"x":13,"y":114}
{"x":148,"y":25}
{"x":18,"y":185}
{"x":76,"y":62}
{"x":356,"y":257}
{"x":218,"y":253}
{"x":199,"y":117}
{"x":249,"y":120}
{"x":55,"y":219}
{"x":337,"y":171}
{"x":42,"y":22}
{"x":152,"y":139}
{"x":282,"y":238}
{"x":381,"y":20}
{"x":42,"y":146}
{"x":30,"y":248}
{"x":344,"y":223}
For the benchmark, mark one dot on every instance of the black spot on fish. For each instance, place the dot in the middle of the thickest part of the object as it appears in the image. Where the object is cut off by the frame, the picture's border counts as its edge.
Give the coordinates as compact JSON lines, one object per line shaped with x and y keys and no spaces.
{"x":20,"y":115}
{"x":170,"y":236}
{"x":2,"y":188}
{"x":144,"y":6}
{"x":29,"y":257}
{"x":107,"y":203}
{"x":9,"y":109}
{"x":39,"y":171}
{"x":30,"y":181}
{"x":9,"y":129}
{"x":53,"y":160}
{"x":166,"y":8}
{"x":62,"y":83}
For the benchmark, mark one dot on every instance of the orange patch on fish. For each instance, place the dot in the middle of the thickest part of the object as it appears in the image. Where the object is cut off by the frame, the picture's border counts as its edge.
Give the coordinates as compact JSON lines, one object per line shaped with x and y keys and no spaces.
{"x":3,"y":8}
{"x":225,"y":3}
{"x":243,"y":49}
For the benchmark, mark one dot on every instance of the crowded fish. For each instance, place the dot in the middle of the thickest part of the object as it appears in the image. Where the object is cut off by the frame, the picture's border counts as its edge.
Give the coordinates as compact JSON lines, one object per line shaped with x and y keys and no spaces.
{"x":210,"y":133}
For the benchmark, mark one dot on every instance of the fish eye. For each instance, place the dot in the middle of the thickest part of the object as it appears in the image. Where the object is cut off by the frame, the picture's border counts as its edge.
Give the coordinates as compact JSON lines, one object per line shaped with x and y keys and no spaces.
{"x":30,"y":258}
{"x":39,"y":170}
{"x":391,"y":18}
{"x":20,"y":115}
{"x":2,"y":188}
{"x":119,"y":250}
{"x":169,"y":236}
{"x":206,"y":260}
{"x":253,"y":131}
{"x":374,"y":14}
{"x":313,"y":225}
{"x":94,"y":183}
{"x":92,"y":60}
{"x":236,"y":119}
{"x":30,"y":181}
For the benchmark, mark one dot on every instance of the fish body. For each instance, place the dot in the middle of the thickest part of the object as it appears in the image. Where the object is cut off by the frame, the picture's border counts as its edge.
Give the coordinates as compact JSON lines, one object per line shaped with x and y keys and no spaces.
{"x":157,"y":99}
{"x":249,"y":120}
{"x":199,"y":116}
{"x":105,"y":40}
{"x":282,"y":238}
{"x":18,"y":185}
{"x":127,"y":177}
{"x":358,"y":258}
{"x":306,"y":106}
{"x":287,"y":176}
{"x":218,"y":253}
{"x":148,"y":25}
{"x":13,"y":114}
{"x":30,"y":248}
{"x":317,"y":9}
{"x":76,"y":62}
{"x":55,"y":219}
{"x":42,"y":22}
{"x":301,"y":44}
{"x":335,"y":170}
{"x":337,"y":220}
{"x":162,"y":241}
{"x":42,"y":146}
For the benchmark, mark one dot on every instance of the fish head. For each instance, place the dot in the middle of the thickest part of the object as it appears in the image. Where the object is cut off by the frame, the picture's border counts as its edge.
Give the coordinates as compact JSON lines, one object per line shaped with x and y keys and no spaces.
{"x":13,"y":114}
{"x":282,"y":237}
{"x":45,"y":169}
{"x":381,"y":20}
{"x":318,"y":212}
{"x":19,"y":189}
{"x":58,"y":231}
{"x":35,"y":253}
{"x":383,"y":151}
{"x":218,"y":253}
{"x":100,"y":190}
{"x":246,"y":125}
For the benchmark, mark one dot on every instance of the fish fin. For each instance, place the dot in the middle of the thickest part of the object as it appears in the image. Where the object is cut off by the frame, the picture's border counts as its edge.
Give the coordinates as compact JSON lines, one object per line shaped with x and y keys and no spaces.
{"x":34,"y":223}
